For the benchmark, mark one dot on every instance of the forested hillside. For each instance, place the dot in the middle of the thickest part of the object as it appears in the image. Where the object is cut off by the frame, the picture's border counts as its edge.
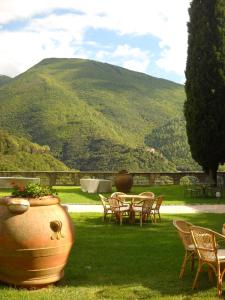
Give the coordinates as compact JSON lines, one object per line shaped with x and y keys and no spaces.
{"x":105,"y":155}
{"x":18,"y":154}
{"x":4,"y":79}
{"x":171,"y":140}
{"x":92,"y":115}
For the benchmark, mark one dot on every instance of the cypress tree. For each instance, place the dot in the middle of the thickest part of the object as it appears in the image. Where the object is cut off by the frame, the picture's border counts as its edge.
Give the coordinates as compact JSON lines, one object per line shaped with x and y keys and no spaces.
{"x":204,"y":108}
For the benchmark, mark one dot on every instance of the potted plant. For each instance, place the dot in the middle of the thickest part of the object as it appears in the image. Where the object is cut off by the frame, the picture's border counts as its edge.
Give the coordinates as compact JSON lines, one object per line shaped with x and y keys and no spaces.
{"x":36,"y":236}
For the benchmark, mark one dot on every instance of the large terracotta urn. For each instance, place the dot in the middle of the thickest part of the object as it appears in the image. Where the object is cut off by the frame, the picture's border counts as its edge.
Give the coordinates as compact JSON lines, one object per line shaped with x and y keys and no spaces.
{"x":36,"y":236}
{"x":123,"y":181}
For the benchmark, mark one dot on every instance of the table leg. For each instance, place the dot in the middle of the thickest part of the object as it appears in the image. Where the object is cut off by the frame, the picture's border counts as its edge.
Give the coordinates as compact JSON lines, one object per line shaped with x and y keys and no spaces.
{"x":132,"y":214}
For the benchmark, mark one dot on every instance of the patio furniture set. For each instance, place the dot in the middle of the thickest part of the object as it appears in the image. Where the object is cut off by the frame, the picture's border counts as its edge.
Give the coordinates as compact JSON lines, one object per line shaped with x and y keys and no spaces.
{"x":121,"y":206}
{"x":203,"y":190}
{"x":205,"y":245}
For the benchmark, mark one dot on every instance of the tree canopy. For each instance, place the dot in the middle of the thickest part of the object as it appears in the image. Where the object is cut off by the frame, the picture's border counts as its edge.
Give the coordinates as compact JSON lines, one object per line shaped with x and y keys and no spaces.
{"x":204,"y":108}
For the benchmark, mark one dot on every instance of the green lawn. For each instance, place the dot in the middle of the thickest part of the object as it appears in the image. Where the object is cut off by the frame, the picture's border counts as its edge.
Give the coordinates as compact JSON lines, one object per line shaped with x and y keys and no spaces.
{"x":109,"y":261}
{"x":174,"y":195}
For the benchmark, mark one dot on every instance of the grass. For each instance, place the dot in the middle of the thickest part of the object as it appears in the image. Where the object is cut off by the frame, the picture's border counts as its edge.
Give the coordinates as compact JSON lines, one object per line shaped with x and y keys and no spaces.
{"x":174,"y":195}
{"x":109,"y":261}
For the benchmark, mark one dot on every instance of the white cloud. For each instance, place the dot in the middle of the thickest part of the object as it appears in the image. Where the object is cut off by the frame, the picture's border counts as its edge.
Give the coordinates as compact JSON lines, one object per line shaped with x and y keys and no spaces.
{"x":128,"y":57}
{"x":21,"y":50}
{"x":133,"y":58}
{"x":136,"y":65}
{"x":126,"y":50}
{"x":54,"y":35}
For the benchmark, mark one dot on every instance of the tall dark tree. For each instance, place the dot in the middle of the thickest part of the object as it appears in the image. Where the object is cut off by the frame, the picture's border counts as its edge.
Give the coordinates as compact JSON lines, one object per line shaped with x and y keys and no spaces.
{"x":204,"y":108}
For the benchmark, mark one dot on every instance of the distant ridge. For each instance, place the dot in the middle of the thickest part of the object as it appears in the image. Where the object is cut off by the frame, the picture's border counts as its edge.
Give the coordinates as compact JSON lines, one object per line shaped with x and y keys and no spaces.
{"x":4,"y":79}
{"x":18,"y":154}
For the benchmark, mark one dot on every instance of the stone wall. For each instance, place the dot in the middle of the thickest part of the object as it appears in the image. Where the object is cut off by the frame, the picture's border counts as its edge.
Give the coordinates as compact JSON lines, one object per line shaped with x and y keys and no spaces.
{"x":140,"y":178}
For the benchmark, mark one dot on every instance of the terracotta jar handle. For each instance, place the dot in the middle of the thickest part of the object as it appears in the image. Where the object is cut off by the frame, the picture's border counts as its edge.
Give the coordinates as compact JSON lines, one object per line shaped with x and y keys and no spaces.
{"x":17,"y":206}
{"x":56,"y":227}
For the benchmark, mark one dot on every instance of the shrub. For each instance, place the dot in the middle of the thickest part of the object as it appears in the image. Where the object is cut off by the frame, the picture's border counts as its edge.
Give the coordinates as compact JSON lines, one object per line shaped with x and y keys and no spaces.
{"x":33,"y":190}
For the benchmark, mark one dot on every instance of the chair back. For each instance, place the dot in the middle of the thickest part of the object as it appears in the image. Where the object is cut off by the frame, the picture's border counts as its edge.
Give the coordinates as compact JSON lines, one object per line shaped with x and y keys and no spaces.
{"x":114,"y":203}
{"x":205,"y":243}
{"x":115,"y":194}
{"x":184,"y":231}
{"x":104,"y":200}
{"x":150,"y":194}
{"x":158,"y":202}
{"x":147,"y":205}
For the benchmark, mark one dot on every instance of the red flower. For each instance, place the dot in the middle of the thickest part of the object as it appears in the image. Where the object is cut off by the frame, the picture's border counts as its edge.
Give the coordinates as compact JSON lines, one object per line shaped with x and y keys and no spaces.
{"x":21,"y":187}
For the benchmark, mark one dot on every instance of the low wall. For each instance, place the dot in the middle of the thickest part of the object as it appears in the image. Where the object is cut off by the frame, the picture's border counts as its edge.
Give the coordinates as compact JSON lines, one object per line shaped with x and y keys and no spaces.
{"x":9,"y":182}
{"x":67,"y":178}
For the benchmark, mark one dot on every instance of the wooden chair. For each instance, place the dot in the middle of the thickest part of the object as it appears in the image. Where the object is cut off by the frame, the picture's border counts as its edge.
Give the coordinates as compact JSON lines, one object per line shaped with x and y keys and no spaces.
{"x":118,"y":209}
{"x":183,"y":229}
{"x":106,"y":207}
{"x":207,"y":244}
{"x":156,"y":207}
{"x":143,"y":209}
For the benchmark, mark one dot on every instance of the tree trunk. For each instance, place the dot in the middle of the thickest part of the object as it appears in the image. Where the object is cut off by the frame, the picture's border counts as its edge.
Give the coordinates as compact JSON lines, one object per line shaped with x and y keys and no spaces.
{"x":212,"y":175}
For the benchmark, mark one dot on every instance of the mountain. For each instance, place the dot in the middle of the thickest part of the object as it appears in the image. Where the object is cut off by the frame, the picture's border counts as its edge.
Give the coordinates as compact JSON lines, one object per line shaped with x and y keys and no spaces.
{"x":18,"y":154}
{"x":72,"y":104}
{"x":4,"y":79}
{"x":171,"y":140}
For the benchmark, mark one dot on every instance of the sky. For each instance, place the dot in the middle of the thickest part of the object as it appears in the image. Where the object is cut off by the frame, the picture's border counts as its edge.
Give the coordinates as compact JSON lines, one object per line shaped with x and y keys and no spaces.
{"x":148,"y":36}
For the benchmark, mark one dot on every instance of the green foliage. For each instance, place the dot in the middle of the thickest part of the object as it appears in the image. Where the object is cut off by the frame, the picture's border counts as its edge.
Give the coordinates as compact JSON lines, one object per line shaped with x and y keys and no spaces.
{"x":18,"y":154}
{"x":171,"y":140}
{"x":104,"y":155}
{"x":205,"y":84}
{"x":4,"y":79}
{"x":70,"y":104}
{"x":32,"y":190}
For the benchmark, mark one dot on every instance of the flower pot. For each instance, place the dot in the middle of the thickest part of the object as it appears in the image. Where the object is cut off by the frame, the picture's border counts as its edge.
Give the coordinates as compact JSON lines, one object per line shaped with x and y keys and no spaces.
{"x":36,"y":236}
{"x":123,"y":181}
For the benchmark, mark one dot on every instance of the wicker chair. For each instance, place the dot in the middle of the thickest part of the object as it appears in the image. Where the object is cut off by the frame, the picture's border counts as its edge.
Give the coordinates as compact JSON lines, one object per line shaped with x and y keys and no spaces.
{"x":123,"y":201}
{"x":183,"y":229}
{"x":118,"y":209}
{"x":150,"y":194}
{"x":106,"y":207}
{"x":143,"y":209}
{"x":115,"y":194}
{"x":156,"y":207}
{"x":207,"y":243}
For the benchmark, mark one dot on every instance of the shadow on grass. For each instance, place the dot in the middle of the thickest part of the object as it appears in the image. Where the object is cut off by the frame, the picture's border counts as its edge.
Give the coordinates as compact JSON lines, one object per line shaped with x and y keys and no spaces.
{"x":151,"y":256}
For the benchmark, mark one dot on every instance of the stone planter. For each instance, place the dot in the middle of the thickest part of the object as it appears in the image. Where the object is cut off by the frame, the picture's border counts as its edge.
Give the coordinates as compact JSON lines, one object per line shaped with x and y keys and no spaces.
{"x":123,"y":181}
{"x":36,"y":236}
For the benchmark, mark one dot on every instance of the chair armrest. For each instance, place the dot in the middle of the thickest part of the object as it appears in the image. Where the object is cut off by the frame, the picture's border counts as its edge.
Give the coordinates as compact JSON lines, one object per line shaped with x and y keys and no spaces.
{"x":139,"y":203}
{"x":220,"y":240}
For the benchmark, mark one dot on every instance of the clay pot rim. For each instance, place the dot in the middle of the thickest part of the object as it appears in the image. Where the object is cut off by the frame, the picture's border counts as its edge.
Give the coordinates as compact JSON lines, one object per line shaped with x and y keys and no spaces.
{"x":38,"y":201}
{"x":123,"y":172}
